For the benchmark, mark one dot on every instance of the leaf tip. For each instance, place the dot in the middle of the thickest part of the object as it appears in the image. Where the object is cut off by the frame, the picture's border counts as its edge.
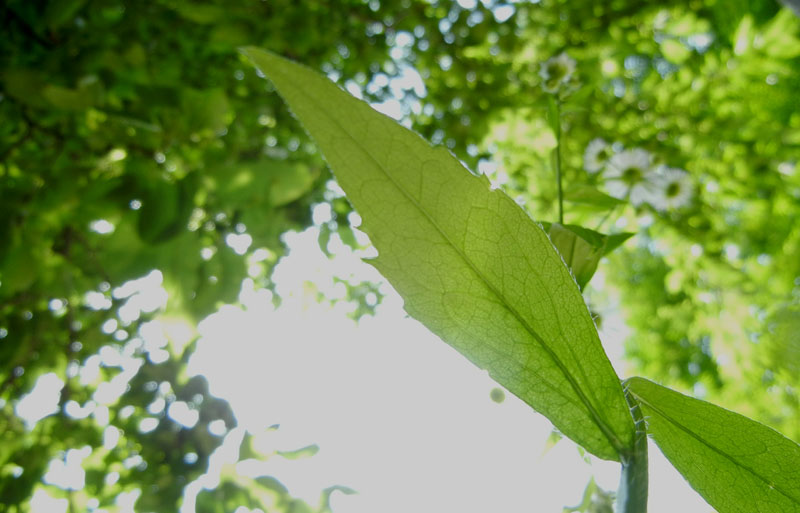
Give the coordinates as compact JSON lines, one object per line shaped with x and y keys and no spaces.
{"x":259,"y":57}
{"x":247,"y":51}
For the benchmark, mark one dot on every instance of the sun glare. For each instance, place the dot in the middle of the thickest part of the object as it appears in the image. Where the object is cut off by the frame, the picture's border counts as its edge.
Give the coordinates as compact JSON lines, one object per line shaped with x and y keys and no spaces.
{"x":398,"y":415}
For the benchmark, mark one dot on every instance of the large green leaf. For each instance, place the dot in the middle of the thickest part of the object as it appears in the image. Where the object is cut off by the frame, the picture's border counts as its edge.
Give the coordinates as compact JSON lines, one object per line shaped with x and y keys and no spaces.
{"x":735,"y":463}
{"x":468,"y":261}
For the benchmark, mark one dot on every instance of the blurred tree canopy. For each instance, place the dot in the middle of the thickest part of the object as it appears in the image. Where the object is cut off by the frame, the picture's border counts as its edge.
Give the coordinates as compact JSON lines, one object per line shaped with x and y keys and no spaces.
{"x":138,"y":148}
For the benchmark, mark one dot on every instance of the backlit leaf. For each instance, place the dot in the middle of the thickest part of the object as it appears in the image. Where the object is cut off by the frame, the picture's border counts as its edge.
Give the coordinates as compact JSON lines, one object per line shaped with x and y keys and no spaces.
{"x":735,"y":463}
{"x":468,"y":261}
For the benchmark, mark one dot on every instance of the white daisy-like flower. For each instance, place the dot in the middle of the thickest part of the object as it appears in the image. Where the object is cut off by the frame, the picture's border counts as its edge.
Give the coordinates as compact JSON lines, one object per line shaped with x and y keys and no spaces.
{"x":596,"y":156}
{"x":557,"y":72}
{"x":673,"y":188}
{"x":629,"y":175}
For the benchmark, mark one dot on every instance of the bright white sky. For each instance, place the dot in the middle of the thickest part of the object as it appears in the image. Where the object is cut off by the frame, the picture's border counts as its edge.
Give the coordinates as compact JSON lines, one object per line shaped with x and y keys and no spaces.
{"x":399,"y":415}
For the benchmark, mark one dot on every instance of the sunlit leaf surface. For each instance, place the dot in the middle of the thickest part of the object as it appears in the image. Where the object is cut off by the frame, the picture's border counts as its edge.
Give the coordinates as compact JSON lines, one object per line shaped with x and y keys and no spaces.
{"x":469,"y":262}
{"x":736,"y":464}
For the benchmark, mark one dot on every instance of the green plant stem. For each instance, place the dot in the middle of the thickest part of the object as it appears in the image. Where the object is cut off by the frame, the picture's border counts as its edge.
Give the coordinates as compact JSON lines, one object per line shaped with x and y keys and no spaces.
{"x":557,"y":124}
{"x":632,"y":492}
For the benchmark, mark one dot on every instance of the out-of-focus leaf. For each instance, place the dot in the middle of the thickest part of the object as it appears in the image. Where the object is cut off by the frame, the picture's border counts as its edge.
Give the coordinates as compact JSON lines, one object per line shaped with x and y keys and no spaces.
{"x":226,"y":497}
{"x":289,"y":182}
{"x":348,"y":237}
{"x":19,"y":268}
{"x":230,"y":35}
{"x":62,"y":12}
{"x":226,"y":270}
{"x":553,"y":438}
{"x":469,"y":262}
{"x":206,"y":112}
{"x":251,"y":184}
{"x":166,"y":208}
{"x":588,"y":195}
{"x":272,"y":484}
{"x":324,"y":238}
{"x":780,"y":38}
{"x":68,"y":99}
{"x":674,"y":51}
{"x":744,"y":35}
{"x":594,"y":500}
{"x":203,"y":13}
{"x":25,"y":85}
{"x":784,"y":340}
{"x":304,"y":452}
{"x":325,"y":499}
{"x":735,"y":463}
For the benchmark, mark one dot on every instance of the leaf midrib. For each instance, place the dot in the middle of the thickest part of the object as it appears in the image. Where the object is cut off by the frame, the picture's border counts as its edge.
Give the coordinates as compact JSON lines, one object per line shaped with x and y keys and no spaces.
{"x":615,"y":442}
{"x":722,"y":453}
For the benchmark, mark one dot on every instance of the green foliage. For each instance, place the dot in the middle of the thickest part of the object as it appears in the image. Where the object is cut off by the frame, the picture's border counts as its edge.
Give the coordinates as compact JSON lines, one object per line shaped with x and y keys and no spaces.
{"x":735,"y":463}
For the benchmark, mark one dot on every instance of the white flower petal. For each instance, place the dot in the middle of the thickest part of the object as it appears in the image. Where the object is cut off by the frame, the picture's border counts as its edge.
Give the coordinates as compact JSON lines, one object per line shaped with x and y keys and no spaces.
{"x":617,"y":188}
{"x":643,"y":192}
{"x":596,"y":156}
{"x":556,"y":72}
{"x":674,"y":188}
{"x":624,"y":160}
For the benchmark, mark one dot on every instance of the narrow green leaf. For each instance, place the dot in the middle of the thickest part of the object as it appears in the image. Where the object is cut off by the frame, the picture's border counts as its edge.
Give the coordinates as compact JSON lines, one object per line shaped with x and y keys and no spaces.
{"x":304,"y":452}
{"x":469,"y":262}
{"x":735,"y":463}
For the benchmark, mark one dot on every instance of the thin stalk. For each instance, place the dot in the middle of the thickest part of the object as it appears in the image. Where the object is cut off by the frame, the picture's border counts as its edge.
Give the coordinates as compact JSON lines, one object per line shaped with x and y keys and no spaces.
{"x":557,"y":125}
{"x":632,"y":492}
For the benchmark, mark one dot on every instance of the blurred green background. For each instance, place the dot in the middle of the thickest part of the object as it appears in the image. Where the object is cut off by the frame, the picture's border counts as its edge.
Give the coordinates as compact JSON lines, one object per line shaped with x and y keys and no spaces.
{"x":136,"y":144}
